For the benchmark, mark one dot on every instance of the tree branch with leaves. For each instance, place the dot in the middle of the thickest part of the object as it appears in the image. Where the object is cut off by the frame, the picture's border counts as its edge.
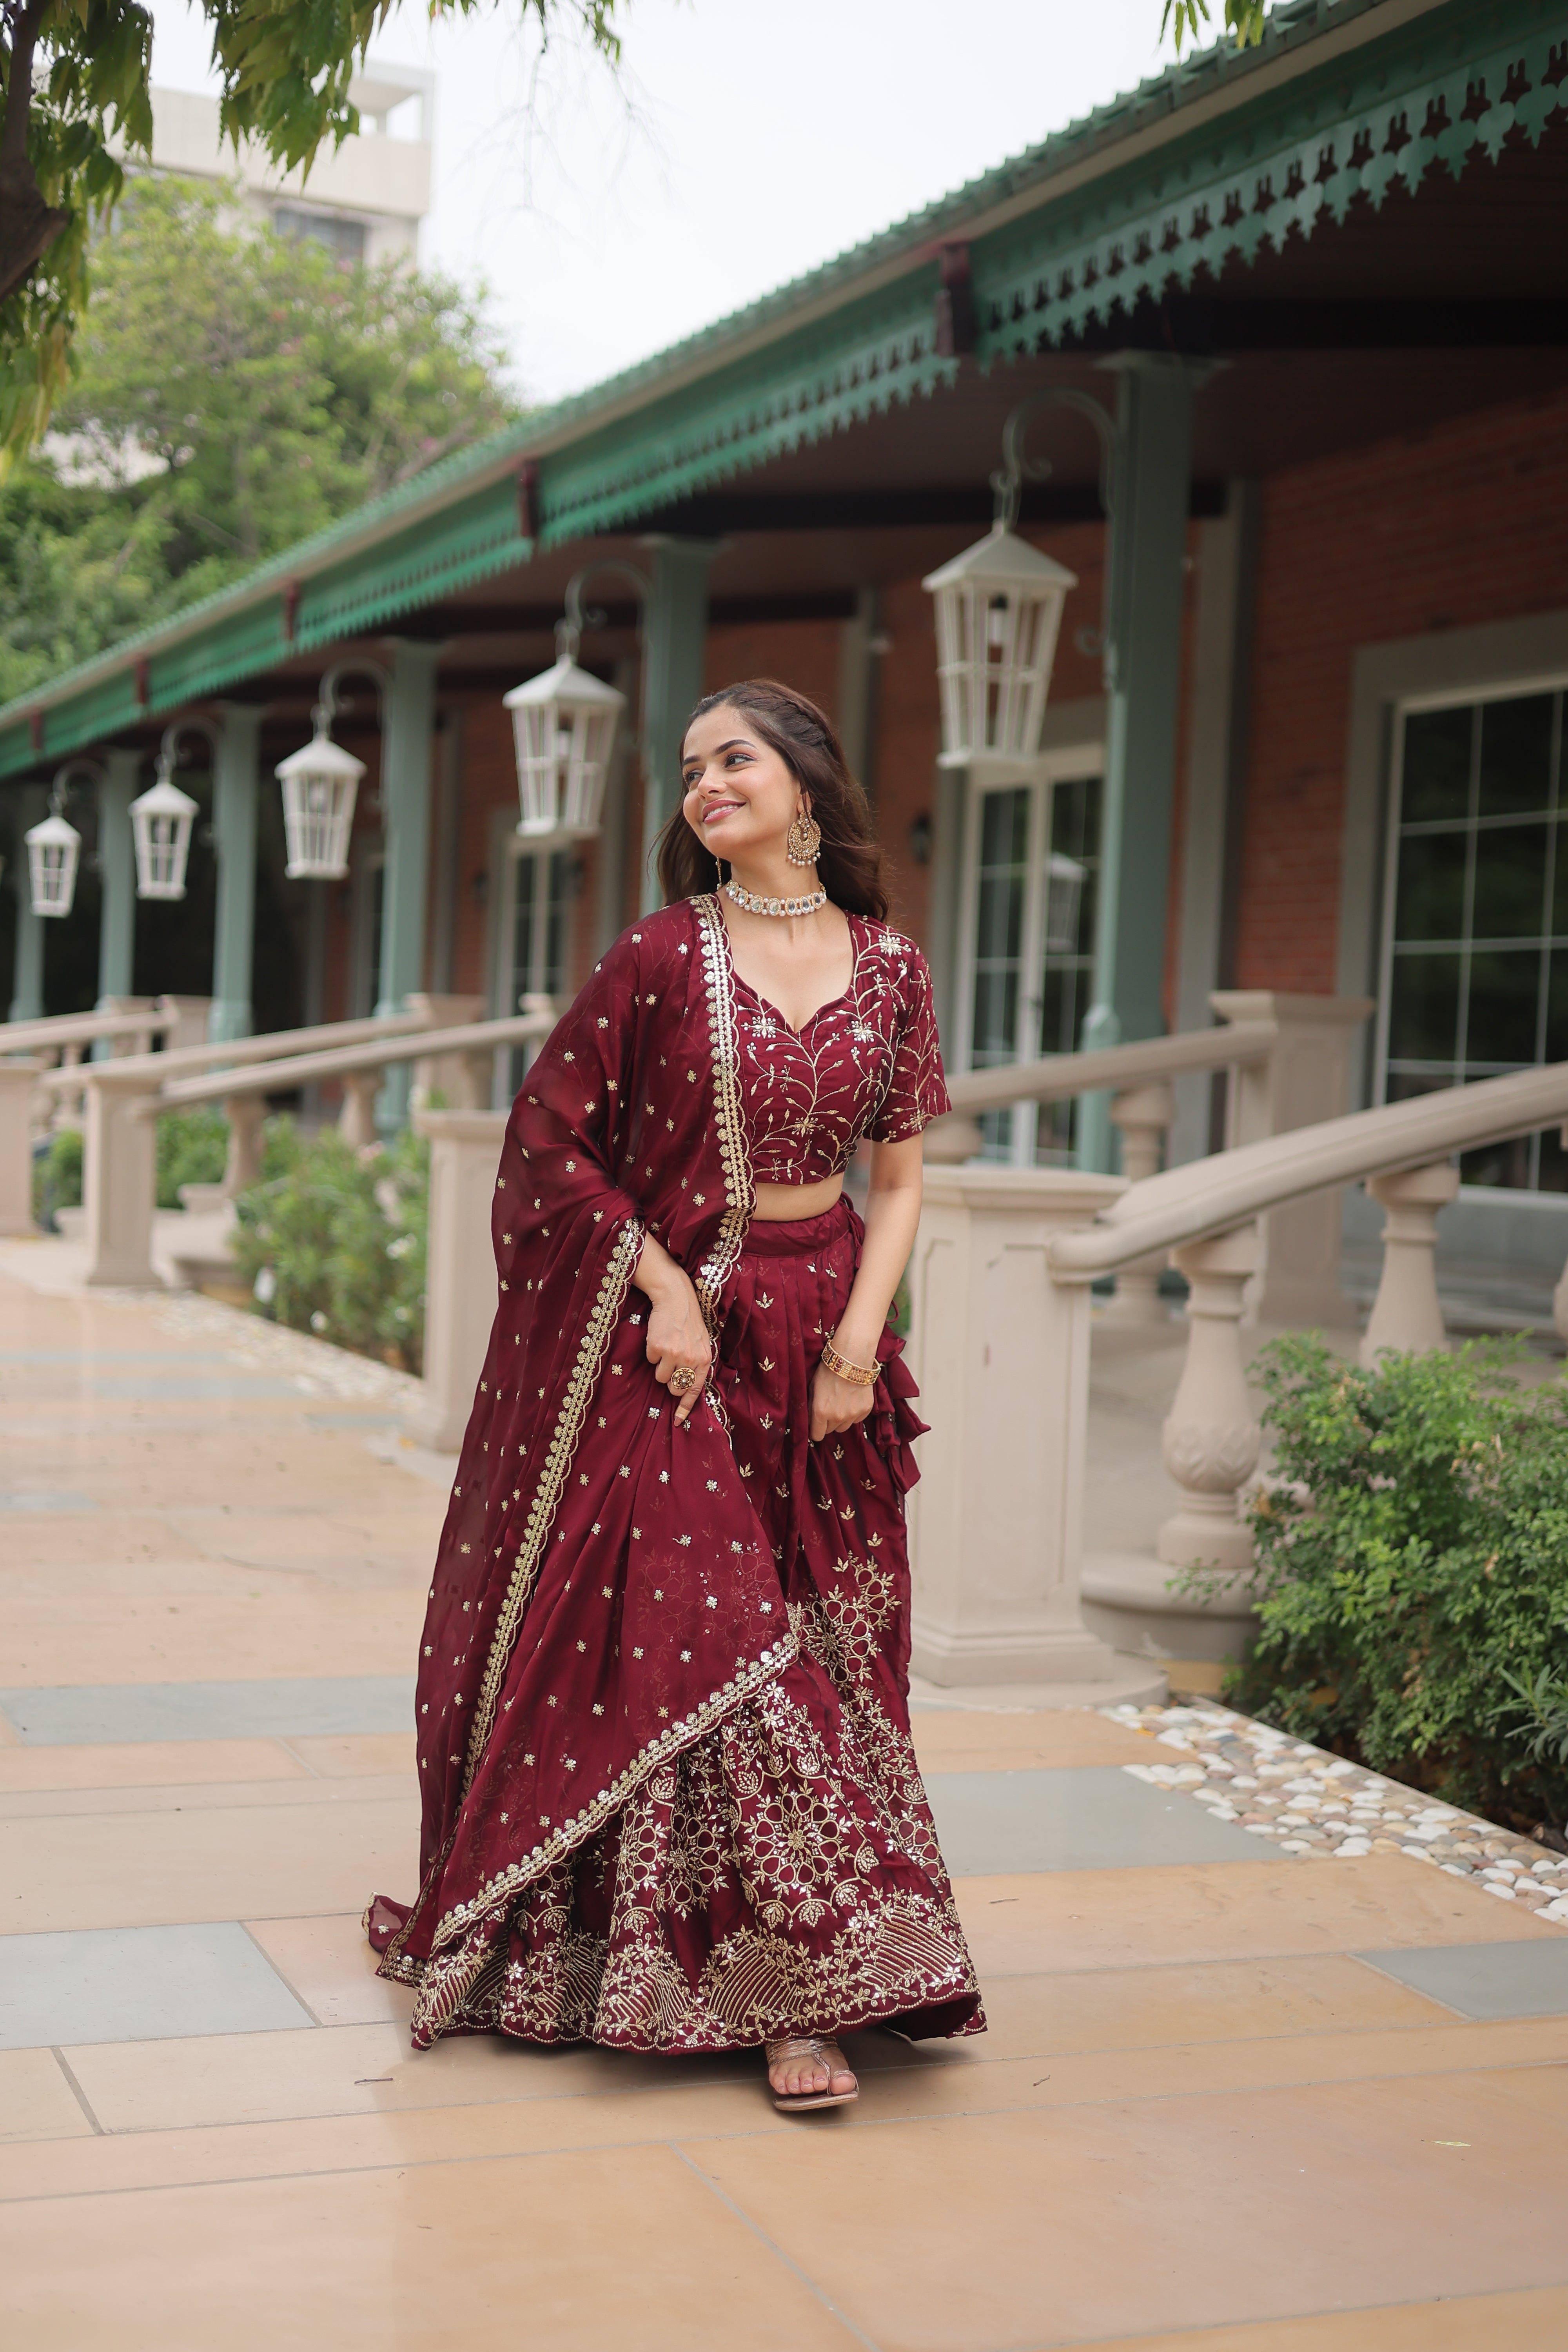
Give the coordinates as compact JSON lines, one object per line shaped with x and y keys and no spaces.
{"x":75,"y":91}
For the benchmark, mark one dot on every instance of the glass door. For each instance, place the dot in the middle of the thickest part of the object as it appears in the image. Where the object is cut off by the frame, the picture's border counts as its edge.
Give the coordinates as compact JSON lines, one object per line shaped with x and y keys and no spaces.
{"x":1029,"y":944}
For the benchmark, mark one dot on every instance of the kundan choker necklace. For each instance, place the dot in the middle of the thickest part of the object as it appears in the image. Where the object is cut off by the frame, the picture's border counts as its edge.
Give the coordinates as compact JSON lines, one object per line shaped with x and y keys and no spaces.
{"x":755,"y":906}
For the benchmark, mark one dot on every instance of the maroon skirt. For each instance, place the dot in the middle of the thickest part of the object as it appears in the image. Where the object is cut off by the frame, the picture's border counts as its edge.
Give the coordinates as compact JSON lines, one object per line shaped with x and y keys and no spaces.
{"x":783,"y":1875}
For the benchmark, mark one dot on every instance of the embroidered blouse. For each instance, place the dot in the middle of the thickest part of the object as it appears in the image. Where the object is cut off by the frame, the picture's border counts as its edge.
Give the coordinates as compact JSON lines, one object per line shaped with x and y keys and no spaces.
{"x":867,"y":1065}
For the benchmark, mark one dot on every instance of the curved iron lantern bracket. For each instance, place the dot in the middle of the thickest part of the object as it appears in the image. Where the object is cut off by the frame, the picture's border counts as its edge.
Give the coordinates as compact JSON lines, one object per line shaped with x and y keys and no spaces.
{"x":1016,"y":468}
{"x":329,"y":701}
{"x":79,"y":768}
{"x":169,"y":749}
{"x":580,"y":616}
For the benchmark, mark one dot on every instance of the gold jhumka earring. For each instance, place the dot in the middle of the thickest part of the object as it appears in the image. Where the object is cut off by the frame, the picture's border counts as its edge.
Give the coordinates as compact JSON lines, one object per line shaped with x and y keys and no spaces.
{"x":804,"y":839}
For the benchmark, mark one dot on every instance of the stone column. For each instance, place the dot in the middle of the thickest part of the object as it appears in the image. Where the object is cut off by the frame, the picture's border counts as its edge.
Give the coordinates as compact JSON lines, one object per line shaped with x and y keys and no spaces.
{"x":1147,"y":546}
{"x":1142,"y":1116}
{"x":675,"y":630}
{"x":236,"y":778}
{"x":460,"y":1268}
{"x":1211,"y":1437}
{"x":117,"y":872}
{"x":119,"y":1177}
{"x":30,"y":807}
{"x":1405,"y":1314}
{"x":1305,"y":1080}
{"x":1001,"y":1353}
{"x":17,"y":1079}
{"x":408,"y":752}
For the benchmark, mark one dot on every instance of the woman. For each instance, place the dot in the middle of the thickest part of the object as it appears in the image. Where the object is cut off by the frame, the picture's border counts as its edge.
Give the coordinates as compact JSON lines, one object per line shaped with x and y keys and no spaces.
{"x":670,"y":1801}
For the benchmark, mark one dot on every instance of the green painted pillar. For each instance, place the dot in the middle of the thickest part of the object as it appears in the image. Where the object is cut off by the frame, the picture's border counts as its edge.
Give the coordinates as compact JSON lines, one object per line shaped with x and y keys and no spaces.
{"x":407,"y":756}
{"x":236,"y":781}
{"x":117,"y":872}
{"x":674,"y":634}
{"x":32,"y":805}
{"x":1148,"y":539}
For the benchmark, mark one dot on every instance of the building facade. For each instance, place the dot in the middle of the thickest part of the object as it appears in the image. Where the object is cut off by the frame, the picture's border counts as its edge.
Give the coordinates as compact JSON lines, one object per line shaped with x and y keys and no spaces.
{"x":1298,"y":316}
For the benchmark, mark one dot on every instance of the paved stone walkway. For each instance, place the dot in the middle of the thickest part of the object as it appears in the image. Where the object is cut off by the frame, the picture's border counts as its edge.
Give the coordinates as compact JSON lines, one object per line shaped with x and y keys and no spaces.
{"x":1232,"y":2098}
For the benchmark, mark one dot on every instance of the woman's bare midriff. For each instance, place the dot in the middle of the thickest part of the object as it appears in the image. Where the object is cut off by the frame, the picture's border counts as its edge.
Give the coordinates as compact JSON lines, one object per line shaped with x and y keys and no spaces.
{"x":777,"y":1204}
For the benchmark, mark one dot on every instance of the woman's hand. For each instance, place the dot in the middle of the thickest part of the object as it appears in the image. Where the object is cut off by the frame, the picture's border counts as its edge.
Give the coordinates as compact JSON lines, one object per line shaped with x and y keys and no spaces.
{"x":678,"y":1341}
{"x":835,"y":1404}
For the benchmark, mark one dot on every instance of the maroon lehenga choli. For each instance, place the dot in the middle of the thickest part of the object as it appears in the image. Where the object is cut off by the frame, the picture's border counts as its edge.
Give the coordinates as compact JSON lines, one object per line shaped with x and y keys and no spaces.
{"x":670,"y":1800}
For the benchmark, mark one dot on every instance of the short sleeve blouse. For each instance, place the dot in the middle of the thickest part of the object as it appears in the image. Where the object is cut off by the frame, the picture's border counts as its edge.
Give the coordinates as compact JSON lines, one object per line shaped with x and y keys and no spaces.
{"x":867,"y":1064}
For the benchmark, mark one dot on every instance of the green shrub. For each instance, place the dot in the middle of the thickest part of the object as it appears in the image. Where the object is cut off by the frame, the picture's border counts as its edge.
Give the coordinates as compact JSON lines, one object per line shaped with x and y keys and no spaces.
{"x":333,"y":1240}
{"x":1413,"y":1568}
{"x":193,"y":1146}
{"x":57,"y":1177}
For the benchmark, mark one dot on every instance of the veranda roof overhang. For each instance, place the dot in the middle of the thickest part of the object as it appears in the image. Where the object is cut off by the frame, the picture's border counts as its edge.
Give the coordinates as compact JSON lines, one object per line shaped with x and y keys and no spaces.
{"x":1381,"y":180}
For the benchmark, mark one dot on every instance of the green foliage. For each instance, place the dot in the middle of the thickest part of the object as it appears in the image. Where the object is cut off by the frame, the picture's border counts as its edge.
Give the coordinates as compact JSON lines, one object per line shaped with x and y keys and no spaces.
{"x":57,"y":1177}
{"x":193,"y":1146}
{"x":333,"y":1240}
{"x":1413,"y":1567}
{"x":1243,"y":20}
{"x":236,"y":392}
{"x":73,"y":77}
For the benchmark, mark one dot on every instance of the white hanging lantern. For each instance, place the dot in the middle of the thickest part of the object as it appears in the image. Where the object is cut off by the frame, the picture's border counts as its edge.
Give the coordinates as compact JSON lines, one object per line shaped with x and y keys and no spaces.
{"x":564,"y":722}
{"x":53,"y":851}
{"x":319,"y":782}
{"x":998,"y":609}
{"x":161,"y":822}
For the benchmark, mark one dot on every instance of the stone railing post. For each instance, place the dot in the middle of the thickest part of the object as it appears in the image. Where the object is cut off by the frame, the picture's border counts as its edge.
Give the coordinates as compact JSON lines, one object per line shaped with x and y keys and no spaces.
{"x":441,"y":1074}
{"x":68,"y":1100}
{"x":245,"y":1115}
{"x":460,"y":1268}
{"x":356,"y":1121}
{"x":1144,"y":1116}
{"x":1306,"y":1078}
{"x":16,"y":1082}
{"x":1211,"y":1436}
{"x":120,"y":1174}
{"x":1405,"y":1314}
{"x":1001,"y":1352}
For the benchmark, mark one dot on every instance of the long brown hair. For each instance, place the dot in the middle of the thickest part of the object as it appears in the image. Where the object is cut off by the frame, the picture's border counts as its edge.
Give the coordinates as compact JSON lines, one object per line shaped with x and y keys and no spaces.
{"x":849,"y":862}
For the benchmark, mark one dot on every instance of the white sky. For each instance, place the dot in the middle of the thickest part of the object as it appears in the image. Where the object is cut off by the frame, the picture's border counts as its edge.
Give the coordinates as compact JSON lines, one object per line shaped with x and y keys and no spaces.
{"x":748,"y":139}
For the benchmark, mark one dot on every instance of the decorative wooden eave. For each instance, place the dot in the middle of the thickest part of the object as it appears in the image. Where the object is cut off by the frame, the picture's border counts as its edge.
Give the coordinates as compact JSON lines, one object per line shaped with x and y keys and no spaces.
{"x":1214,"y":160}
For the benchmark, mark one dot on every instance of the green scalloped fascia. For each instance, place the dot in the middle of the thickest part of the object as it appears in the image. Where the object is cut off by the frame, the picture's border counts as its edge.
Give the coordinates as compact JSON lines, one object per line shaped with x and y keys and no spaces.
{"x":1335,"y":133}
{"x":849,"y":367}
{"x":1425,"y":95}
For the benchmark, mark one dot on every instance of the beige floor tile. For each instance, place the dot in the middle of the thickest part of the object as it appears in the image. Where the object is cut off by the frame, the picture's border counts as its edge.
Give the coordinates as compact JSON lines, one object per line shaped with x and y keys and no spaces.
{"x":243,"y":1795}
{"x":1169,"y":2214}
{"x":71,"y":1537}
{"x":212,"y":1638}
{"x":329,"y":1964}
{"x":238,"y":2078}
{"x":578,"y":2253}
{"x":367,"y":1752}
{"x":1222,"y":2000}
{"x":142,"y":1870}
{"x":155,"y":1764}
{"x":37,"y":2103}
{"x":969,"y":1742}
{"x":1535,"y":2320}
{"x":690,"y":2111}
{"x":1073,"y":1919}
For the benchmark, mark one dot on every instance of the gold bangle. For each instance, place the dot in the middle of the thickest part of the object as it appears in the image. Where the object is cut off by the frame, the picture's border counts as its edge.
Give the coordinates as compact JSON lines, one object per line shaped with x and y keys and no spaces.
{"x":859,"y":1376}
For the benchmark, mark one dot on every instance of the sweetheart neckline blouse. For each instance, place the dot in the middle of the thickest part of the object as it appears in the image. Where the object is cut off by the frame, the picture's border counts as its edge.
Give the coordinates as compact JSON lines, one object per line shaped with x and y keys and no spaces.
{"x":868,"y":1064}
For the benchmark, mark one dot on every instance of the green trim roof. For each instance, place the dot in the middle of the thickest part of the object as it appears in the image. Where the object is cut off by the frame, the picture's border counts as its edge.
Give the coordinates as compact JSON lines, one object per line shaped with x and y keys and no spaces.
{"x":1205,"y":160}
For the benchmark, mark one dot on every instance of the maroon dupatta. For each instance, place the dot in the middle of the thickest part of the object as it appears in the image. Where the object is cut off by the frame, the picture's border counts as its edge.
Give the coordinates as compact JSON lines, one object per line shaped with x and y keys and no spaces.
{"x":604,"y":1593}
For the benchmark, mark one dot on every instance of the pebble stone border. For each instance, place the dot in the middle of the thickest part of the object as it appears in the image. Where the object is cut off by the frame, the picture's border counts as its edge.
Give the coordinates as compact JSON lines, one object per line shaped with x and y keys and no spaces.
{"x":1316,"y":1805}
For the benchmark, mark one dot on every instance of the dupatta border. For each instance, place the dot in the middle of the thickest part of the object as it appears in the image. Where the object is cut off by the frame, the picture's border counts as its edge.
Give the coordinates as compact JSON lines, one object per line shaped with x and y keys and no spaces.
{"x":718,"y":978}
{"x":743,"y":1685}
{"x":597,"y":1332}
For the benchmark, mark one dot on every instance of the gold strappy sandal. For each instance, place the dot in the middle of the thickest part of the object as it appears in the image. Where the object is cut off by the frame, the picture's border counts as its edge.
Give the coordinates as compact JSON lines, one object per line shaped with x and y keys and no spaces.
{"x":810,"y":2045}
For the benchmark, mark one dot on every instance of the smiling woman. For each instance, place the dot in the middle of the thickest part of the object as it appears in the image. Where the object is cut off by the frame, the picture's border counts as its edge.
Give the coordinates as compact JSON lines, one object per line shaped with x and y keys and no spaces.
{"x":671,"y":1801}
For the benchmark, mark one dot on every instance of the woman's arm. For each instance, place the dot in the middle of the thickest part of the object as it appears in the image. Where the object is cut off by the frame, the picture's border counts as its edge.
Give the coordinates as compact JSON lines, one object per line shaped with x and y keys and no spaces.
{"x":676,"y":1334}
{"x":892,"y":1217}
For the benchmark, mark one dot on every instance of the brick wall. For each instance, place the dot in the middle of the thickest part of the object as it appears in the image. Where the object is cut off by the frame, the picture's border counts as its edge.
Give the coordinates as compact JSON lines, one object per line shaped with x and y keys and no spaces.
{"x":1446,"y":529}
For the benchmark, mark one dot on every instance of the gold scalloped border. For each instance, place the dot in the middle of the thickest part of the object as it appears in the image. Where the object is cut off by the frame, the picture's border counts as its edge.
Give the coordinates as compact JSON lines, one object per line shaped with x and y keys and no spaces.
{"x":592,"y":1348}
{"x":723,"y":1029}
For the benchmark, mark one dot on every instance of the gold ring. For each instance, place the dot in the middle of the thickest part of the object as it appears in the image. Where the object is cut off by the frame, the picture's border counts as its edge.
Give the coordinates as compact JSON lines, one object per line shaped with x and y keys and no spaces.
{"x":682,"y":1378}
